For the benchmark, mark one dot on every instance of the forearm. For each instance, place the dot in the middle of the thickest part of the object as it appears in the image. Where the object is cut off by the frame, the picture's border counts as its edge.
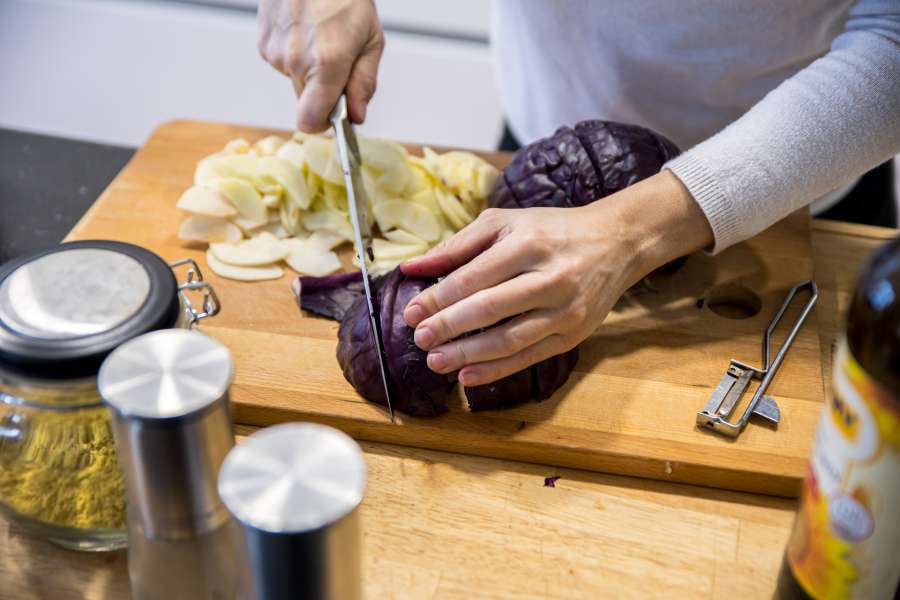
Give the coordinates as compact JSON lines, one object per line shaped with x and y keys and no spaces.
{"x":818,"y":130}
{"x":657,"y":220}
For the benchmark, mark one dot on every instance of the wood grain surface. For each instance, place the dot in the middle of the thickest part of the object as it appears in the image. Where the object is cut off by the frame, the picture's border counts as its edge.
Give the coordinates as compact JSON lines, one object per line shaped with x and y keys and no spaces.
{"x":447,"y":526}
{"x":628,"y":408}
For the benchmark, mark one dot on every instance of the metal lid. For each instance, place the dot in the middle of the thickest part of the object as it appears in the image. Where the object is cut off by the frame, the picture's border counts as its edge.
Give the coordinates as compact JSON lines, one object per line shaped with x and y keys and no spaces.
{"x":62,"y":310}
{"x":165,"y":374}
{"x":293,"y":478}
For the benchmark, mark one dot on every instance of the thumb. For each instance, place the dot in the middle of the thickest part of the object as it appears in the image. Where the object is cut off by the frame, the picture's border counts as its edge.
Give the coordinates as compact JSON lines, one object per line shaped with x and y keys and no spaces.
{"x":456,"y":251}
{"x":363,"y":79}
{"x":323,"y":85}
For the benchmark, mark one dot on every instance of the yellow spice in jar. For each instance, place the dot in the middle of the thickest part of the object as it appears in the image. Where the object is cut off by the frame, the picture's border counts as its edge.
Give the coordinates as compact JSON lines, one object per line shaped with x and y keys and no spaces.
{"x":62,"y":469}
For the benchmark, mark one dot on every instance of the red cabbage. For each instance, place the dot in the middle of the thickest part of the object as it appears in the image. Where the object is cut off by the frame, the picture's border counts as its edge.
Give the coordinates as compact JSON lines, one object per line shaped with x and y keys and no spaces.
{"x":415,"y":389}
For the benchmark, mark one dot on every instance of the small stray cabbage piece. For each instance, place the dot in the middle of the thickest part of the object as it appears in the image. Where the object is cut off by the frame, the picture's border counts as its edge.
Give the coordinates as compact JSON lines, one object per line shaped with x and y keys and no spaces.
{"x":261,"y":250}
{"x":201,"y":228}
{"x":207,"y":201}
{"x":242,"y":273}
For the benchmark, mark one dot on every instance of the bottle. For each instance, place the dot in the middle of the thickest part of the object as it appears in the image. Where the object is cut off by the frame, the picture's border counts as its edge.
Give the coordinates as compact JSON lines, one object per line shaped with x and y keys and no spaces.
{"x":846,"y":537}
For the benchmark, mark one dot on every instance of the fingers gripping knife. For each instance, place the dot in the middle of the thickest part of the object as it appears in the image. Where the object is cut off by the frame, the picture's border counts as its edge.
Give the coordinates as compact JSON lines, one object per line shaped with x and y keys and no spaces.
{"x":351,"y":163}
{"x":725,"y":397}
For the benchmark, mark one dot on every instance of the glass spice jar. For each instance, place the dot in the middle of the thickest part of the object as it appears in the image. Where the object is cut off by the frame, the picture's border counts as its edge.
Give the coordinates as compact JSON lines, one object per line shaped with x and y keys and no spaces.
{"x":62,"y":311}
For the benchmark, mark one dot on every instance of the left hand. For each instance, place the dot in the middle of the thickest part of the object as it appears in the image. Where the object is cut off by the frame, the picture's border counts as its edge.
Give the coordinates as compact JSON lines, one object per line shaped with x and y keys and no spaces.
{"x":553,"y":272}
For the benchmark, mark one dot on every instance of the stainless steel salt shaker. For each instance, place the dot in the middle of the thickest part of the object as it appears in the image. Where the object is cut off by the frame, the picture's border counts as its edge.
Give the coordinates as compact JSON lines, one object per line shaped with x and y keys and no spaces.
{"x":168,"y":397}
{"x":296,"y":489}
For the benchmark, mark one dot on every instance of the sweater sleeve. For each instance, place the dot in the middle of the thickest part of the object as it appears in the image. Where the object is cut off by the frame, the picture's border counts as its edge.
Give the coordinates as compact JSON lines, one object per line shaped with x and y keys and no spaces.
{"x":816,"y":131}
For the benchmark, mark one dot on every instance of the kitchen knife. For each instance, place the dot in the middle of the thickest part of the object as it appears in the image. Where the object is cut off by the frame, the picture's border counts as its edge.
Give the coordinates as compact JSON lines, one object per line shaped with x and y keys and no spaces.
{"x":351,"y":162}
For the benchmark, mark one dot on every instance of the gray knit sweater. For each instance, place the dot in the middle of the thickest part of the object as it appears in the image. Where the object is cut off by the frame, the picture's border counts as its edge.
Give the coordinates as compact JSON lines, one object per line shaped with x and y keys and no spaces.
{"x":778,"y":102}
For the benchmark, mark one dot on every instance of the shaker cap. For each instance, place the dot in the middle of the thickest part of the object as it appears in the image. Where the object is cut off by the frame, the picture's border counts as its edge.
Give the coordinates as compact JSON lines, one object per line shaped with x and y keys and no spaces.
{"x":165,"y":374}
{"x":293,"y":478}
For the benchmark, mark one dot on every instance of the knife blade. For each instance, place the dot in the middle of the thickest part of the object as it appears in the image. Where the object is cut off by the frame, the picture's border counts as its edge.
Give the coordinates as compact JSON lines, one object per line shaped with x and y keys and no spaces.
{"x":351,"y":163}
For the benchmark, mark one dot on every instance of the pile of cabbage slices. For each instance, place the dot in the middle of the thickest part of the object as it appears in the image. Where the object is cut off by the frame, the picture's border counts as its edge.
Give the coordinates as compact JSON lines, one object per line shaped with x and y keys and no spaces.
{"x":283,"y":201}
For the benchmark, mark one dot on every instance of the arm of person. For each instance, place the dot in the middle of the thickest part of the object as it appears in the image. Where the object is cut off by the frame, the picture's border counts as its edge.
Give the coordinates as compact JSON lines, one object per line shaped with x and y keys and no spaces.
{"x":557,"y":272}
{"x":325,"y":47}
{"x":819,"y":129}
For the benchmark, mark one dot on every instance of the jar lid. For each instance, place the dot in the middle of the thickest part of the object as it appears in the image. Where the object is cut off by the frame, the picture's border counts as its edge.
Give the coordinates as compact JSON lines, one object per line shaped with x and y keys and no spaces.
{"x":293,"y":478}
{"x":62,"y":310}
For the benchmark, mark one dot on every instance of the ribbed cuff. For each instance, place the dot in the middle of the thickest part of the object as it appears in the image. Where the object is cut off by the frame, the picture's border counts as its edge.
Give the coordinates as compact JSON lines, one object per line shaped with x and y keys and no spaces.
{"x":702,"y":185}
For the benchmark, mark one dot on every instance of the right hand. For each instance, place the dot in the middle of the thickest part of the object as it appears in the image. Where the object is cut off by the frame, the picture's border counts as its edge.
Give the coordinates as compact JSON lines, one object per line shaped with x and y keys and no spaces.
{"x":326,"y":47}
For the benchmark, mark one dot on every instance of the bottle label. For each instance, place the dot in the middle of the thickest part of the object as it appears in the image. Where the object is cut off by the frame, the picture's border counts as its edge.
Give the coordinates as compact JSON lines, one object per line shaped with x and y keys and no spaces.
{"x":846,"y":539}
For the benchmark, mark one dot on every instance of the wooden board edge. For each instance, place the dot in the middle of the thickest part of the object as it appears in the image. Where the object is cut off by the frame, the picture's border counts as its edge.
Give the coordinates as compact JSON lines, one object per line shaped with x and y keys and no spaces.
{"x":769,"y":484}
{"x":854,"y":229}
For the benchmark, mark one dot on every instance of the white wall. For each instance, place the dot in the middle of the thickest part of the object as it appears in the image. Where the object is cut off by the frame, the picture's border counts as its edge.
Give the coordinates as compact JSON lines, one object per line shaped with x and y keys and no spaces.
{"x":111,"y":70}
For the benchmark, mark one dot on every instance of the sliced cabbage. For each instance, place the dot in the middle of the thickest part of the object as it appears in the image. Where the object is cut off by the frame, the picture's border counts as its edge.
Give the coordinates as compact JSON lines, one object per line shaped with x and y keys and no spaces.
{"x":201,"y":228}
{"x":325,"y":240}
{"x":329,"y":221}
{"x":310,"y":261}
{"x":263,"y":249}
{"x":207,"y":201}
{"x":322,"y":159}
{"x":275,"y":229}
{"x":385,"y":250}
{"x":292,"y":152}
{"x":388,"y":160}
{"x":401,"y":236}
{"x":289,"y":177}
{"x":290,"y":218}
{"x":272,"y":199}
{"x":412,"y":217}
{"x":244,"y":197}
{"x":269,"y":145}
{"x":242,"y":273}
{"x":238,"y":146}
{"x":453,"y":209}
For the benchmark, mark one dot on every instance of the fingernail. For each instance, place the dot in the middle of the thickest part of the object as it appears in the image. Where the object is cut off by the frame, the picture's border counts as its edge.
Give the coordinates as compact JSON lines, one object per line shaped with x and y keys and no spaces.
{"x":424,"y":337}
{"x":466,"y":378}
{"x":436,"y":361}
{"x":414,"y":314}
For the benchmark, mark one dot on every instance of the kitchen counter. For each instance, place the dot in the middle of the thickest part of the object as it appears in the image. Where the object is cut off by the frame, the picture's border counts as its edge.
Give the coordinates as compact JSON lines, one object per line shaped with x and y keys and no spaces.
{"x":443,"y":525}
{"x":46,"y":184}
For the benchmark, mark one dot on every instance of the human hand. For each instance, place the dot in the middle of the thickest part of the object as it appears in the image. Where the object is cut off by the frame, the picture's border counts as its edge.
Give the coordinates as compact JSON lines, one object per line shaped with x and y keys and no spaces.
{"x":554,"y":273}
{"x":326,"y":47}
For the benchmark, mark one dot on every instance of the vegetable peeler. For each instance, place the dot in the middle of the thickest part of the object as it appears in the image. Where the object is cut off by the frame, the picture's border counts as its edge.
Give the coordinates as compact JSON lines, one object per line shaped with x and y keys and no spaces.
{"x":734,"y":382}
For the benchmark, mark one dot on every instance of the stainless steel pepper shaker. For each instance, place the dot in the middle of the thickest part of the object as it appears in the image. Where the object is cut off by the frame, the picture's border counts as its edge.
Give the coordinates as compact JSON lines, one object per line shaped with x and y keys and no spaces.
{"x":296,"y":489}
{"x":168,"y":397}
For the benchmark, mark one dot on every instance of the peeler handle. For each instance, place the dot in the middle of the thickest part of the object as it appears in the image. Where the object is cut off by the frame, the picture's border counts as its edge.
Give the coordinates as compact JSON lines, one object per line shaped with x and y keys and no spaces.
{"x":770,"y":369}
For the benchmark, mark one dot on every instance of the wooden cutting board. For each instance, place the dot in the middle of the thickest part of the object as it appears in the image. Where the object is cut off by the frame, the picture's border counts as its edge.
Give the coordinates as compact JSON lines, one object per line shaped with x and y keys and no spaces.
{"x":628,"y":408}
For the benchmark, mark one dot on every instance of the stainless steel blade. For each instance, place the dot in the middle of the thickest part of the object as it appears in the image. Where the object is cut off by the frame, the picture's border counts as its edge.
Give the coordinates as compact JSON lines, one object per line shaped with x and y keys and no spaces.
{"x":351,"y":162}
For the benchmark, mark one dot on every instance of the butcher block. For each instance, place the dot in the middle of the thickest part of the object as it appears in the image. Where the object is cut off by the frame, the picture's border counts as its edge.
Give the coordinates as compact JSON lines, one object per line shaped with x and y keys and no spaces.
{"x":630,"y":405}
